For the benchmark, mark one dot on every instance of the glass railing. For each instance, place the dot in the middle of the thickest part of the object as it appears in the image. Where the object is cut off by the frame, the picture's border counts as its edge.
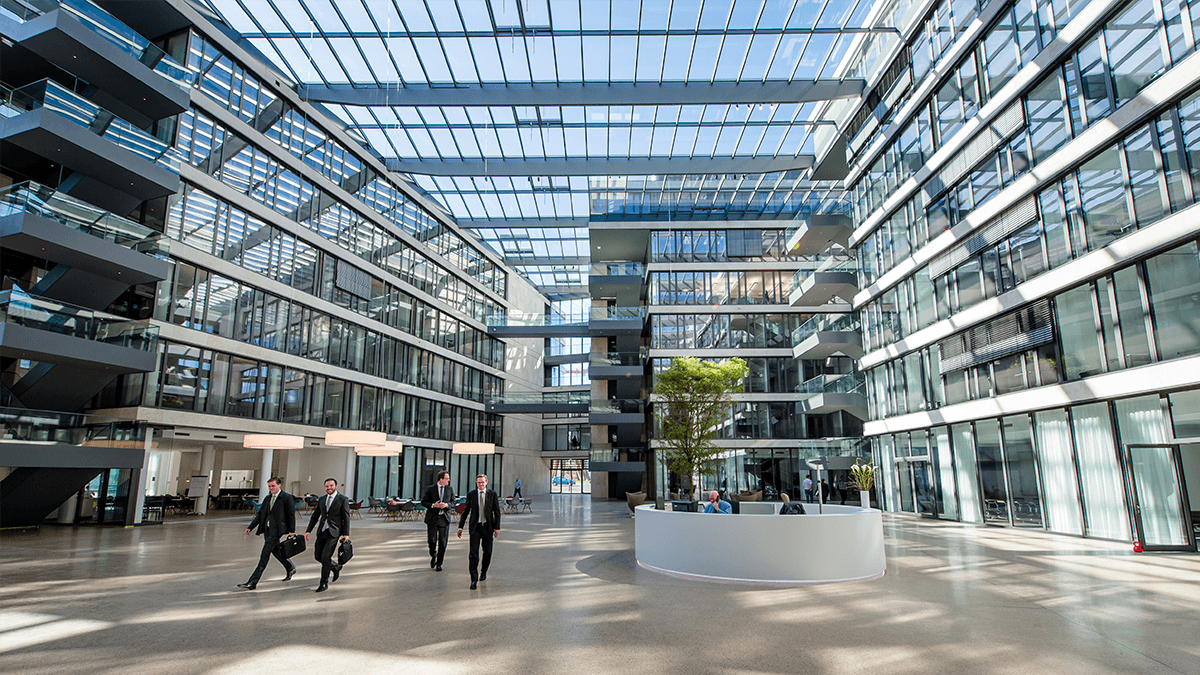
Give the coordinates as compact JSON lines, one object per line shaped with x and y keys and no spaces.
{"x":609,"y":454}
{"x":617,"y":406}
{"x":606,"y":313}
{"x":540,"y":398}
{"x":802,"y":219}
{"x":518,"y":319}
{"x":839,"y":264}
{"x":58,"y":99}
{"x":108,"y":27}
{"x":44,"y":426}
{"x":851,"y":383}
{"x":630,"y":359}
{"x":830,"y":323}
{"x":21,"y":309}
{"x":617,"y":269}
{"x":40,"y":200}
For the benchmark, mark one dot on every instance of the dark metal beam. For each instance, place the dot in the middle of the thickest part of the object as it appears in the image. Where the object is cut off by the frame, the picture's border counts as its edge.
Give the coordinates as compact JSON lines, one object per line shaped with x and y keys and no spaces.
{"x":599,"y":167}
{"x":586,"y":93}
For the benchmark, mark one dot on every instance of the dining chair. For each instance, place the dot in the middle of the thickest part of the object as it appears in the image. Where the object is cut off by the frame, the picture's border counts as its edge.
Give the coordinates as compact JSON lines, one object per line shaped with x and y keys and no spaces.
{"x":391,"y":511}
{"x":526,"y":505}
{"x":355,"y":508}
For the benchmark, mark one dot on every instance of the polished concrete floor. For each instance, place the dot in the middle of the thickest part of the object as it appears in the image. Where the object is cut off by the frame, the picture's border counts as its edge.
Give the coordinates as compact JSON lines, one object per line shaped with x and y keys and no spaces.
{"x":565,"y":596}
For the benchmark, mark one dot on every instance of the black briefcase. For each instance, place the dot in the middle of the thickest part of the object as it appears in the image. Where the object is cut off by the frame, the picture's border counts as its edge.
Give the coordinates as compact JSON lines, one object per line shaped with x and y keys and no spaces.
{"x":345,"y":552}
{"x":291,"y":546}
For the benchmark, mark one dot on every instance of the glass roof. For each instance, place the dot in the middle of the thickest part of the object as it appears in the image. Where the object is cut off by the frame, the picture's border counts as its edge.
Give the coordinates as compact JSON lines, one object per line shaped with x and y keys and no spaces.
{"x":391,"y":46}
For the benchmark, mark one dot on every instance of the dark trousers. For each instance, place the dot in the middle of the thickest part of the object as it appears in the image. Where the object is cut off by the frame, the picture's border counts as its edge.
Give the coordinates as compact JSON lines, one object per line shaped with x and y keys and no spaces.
{"x":324,"y":552}
{"x":517,"y":493}
{"x":481,"y":534}
{"x":438,"y":536}
{"x":808,"y":494}
{"x":270,"y":548}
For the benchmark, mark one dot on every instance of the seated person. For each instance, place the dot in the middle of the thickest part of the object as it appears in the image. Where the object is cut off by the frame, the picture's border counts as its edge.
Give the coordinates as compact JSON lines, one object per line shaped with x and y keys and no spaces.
{"x":717,"y":505}
{"x":789,"y":507}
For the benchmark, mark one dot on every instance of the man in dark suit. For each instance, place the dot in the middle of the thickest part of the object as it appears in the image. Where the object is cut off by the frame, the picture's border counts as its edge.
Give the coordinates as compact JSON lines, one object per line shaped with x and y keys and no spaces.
{"x":437,"y":500}
{"x":483,"y":513}
{"x":332,"y":520}
{"x":275,"y":517}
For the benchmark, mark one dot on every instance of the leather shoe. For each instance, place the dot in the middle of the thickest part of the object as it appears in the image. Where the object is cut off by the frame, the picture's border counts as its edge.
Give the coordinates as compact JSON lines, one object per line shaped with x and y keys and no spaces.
{"x":438,"y":568}
{"x":474,"y":585}
{"x":337,"y":571}
{"x":433,"y":561}
{"x":483,"y":577}
{"x":290,"y":573}
{"x":322,"y":587}
{"x":248,"y":586}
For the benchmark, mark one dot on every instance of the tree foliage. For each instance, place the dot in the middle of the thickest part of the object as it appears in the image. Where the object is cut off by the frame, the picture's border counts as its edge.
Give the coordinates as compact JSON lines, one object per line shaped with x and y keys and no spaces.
{"x":692,"y":401}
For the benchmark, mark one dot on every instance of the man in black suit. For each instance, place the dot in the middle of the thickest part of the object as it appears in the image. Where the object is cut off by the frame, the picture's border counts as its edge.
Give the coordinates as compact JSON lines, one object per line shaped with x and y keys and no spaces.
{"x":332,"y":520}
{"x":276,"y":516}
{"x":483,"y":513}
{"x":437,"y":500}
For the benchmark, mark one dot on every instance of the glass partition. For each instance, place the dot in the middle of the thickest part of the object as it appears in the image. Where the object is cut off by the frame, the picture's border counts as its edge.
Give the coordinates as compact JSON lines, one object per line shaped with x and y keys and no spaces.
{"x":945,"y":472}
{"x":1021,"y":466}
{"x":1059,"y":482}
{"x":1105,"y":511}
{"x":964,"y":464}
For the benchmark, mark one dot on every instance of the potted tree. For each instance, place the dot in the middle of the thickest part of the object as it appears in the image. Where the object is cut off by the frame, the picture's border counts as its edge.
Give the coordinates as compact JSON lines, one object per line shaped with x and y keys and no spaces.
{"x":863,"y":477}
{"x":691,"y":402}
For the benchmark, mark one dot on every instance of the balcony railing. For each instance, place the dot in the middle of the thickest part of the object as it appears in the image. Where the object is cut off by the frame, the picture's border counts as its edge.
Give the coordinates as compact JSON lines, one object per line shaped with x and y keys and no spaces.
{"x":108,"y":27}
{"x":827,"y":265}
{"x":532,"y":319}
{"x":53,"y":96}
{"x":833,"y":384}
{"x":607,"y":313}
{"x":629,"y":359}
{"x":540,"y":398}
{"x":617,"y":269}
{"x":40,"y":200}
{"x":21,"y":309}
{"x":609,"y":454}
{"x":44,"y":426}
{"x":617,"y":406}
{"x":831,"y":323}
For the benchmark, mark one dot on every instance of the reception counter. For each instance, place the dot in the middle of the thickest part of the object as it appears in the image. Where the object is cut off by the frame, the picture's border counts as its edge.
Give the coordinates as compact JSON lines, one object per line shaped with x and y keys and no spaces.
{"x":844,"y":543}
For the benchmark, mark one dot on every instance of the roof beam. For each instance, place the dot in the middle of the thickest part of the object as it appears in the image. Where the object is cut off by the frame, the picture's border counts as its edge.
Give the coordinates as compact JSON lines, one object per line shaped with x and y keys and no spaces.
{"x":598,"y":167}
{"x":586,"y":93}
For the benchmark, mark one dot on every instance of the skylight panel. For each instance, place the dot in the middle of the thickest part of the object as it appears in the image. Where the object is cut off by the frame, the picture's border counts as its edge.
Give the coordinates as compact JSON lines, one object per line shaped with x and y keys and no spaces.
{"x":462,"y":64}
{"x":512,"y":54}
{"x":491,"y":205}
{"x":677,"y":58}
{"x":772,"y":137}
{"x":837,"y":55}
{"x":758,"y":58}
{"x":487,"y":59}
{"x":267,"y":47}
{"x":443,"y":140}
{"x":536,"y":13}
{"x":745,"y":13}
{"x":580,"y":207}
{"x":748,"y":143}
{"x":706,"y":141}
{"x":426,"y":149}
{"x":805,"y":14}
{"x":327,"y":20}
{"x":474,"y":206}
{"x":661,"y":141}
{"x":622,"y":58}
{"x":352,"y":60}
{"x":237,"y":19}
{"x":355,"y":16}
{"x":704,"y":58}
{"x":728,"y":140}
{"x":385,"y":16}
{"x":595,"y":58}
{"x":415,"y":16}
{"x":650,"y":57}
{"x":475,"y":15}
{"x":564,"y":14}
{"x":639,"y":142}
{"x":733,"y":55}
{"x":787,"y":56}
{"x":404,"y":147}
{"x":432,"y":58}
{"x":489,"y":144}
{"x":814,"y":56}
{"x":625,"y":15}
{"x":401,"y":49}
{"x":381,"y":62}
{"x":617,"y":140}
{"x":527,"y":205}
{"x":295,"y":16}
{"x":568,"y":56}
{"x":510,"y":143}
{"x":532,"y":141}
{"x":324,"y":60}
{"x":445,"y":17}
{"x":541,"y":58}
{"x":715,"y":15}
{"x":685,"y":140}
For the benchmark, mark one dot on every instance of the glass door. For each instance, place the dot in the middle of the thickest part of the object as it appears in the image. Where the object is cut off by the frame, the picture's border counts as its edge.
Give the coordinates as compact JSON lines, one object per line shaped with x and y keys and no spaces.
{"x":1160,"y":508}
{"x":917,"y":494}
{"x":570,"y":476}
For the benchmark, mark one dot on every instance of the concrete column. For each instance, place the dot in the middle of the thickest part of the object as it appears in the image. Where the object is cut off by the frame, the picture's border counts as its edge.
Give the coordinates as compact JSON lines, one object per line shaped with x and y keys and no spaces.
{"x":351,"y":465}
{"x":137,"y":488}
{"x":291,"y":471}
{"x":214,"y":486}
{"x":268,"y":458}
{"x":206,"y":469}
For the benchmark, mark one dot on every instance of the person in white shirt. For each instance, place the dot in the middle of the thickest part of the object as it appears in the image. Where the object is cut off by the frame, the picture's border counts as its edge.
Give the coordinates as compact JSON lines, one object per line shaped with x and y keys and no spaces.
{"x":483,"y":514}
{"x":808,"y":489}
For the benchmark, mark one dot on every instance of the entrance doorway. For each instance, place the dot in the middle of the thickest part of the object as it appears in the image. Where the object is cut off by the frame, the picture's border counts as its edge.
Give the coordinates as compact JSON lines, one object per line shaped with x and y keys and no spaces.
{"x":570,"y":476}
{"x":917,"y":494}
{"x":1161,"y":512}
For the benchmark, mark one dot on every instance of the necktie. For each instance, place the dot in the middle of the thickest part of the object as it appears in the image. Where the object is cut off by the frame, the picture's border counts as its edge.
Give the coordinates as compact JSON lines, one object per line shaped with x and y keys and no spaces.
{"x":481,"y":501}
{"x":270,"y":507}
{"x":328,"y":503}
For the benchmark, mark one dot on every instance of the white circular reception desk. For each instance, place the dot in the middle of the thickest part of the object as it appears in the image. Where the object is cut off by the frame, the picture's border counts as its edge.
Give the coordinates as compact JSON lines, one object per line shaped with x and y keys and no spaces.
{"x":843,"y":543}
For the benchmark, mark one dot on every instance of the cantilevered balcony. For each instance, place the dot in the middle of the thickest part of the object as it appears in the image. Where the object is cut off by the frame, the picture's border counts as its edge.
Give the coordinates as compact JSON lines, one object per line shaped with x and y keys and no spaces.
{"x":55,"y":454}
{"x":98,"y":255}
{"x":617,"y":459}
{"x":813,"y":234}
{"x":835,"y":277}
{"x":540,"y":402}
{"x":825,"y":335}
{"x":617,"y":411}
{"x":606,"y":321}
{"x":618,"y":365}
{"x":622,"y":281}
{"x":831,"y":393}
{"x":518,"y":324}
{"x":134,"y":77}
{"x":57,"y":356}
{"x":117,"y":166}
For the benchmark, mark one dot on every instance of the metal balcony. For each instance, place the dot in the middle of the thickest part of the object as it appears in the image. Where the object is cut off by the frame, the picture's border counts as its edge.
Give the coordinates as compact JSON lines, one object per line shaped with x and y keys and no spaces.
{"x":813,"y":234}
{"x":617,"y":411}
{"x":834,"y":278}
{"x":618,"y":365}
{"x":826,"y":335}
{"x":540,"y":402}
{"x":831,"y":393}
